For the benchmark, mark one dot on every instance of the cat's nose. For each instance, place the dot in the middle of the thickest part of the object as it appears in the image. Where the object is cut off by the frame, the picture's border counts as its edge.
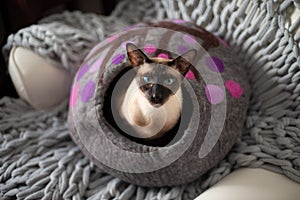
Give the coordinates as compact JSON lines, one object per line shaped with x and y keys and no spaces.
{"x":156,"y":99}
{"x":156,"y":96}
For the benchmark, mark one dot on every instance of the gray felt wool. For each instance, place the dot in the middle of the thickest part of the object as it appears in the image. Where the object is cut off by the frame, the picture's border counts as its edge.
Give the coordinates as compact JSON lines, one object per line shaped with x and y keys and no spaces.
{"x":215,"y":101}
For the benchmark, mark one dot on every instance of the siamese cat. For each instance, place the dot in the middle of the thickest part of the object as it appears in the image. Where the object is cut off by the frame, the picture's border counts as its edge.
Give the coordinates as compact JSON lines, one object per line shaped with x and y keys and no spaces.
{"x":153,"y":101}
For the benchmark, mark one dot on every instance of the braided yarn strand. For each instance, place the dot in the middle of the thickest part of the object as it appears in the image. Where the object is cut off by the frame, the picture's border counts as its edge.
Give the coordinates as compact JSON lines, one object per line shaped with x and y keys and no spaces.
{"x":64,"y":39}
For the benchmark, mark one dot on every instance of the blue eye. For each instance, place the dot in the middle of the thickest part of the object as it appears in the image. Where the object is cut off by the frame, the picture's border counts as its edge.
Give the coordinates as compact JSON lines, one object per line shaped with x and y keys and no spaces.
{"x":146,"y":79}
{"x":169,"y":81}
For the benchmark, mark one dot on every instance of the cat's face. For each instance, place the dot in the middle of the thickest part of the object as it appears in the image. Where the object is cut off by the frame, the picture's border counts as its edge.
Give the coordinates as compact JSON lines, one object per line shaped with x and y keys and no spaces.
{"x":158,"y":78}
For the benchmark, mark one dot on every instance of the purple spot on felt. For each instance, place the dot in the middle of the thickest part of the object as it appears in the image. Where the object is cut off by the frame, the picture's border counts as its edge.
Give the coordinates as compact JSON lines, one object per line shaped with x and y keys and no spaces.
{"x":214,"y":94}
{"x":182,"y":49}
{"x":190,"y":75}
{"x":178,"y":21}
{"x":74,"y":95}
{"x":83,"y":69}
{"x":88,"y":91}
{"x":149,"y":48}
{"x":215,"y":64}
{"x":234,"y":88}
{"x":117,"y":59}
{"x":112,"y":38}
{"x":163,"y":55}
{"x":96,"y":65}
{"x":189,"y":39}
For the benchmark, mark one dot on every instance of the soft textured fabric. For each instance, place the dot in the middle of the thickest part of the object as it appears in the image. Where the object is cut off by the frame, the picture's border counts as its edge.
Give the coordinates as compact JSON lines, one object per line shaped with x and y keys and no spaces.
{"x":41,"y":87}
{"x":249,"y":184}
{"x":64,"y":39}
{"x":211,"y":120}
{"x":39,"y":160}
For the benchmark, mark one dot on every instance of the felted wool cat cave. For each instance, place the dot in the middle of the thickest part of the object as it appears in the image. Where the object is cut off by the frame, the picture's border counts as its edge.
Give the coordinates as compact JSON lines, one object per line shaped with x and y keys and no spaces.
{"x":215,"y":100}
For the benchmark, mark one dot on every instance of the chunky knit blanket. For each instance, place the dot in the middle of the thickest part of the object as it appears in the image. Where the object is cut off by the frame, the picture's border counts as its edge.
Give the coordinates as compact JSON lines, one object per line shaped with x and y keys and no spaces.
{"x":38,"y":160}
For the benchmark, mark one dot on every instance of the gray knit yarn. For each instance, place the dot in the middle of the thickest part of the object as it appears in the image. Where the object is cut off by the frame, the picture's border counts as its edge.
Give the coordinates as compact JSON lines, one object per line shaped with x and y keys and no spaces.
{"x":39,"y":161}
{"x":65,"y":39}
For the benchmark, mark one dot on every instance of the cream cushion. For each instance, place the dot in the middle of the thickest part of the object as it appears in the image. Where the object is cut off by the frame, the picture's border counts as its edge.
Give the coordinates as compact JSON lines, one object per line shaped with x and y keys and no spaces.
{"x":249,"y":184}
{"x":39,"y":83}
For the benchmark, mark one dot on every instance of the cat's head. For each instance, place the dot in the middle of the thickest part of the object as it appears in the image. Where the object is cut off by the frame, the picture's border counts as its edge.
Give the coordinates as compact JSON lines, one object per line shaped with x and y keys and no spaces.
{"x":158,"y":78}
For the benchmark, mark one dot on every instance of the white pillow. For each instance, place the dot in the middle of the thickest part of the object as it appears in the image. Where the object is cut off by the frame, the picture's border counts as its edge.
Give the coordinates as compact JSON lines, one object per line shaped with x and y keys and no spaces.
{"x":248,"y":184}
{"x":40,"y":84}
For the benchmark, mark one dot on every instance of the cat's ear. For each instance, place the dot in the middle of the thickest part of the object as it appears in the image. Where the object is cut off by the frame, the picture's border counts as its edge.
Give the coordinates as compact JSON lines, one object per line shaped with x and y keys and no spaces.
{"x":136,"y":56}
{"x":182,"y":63}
